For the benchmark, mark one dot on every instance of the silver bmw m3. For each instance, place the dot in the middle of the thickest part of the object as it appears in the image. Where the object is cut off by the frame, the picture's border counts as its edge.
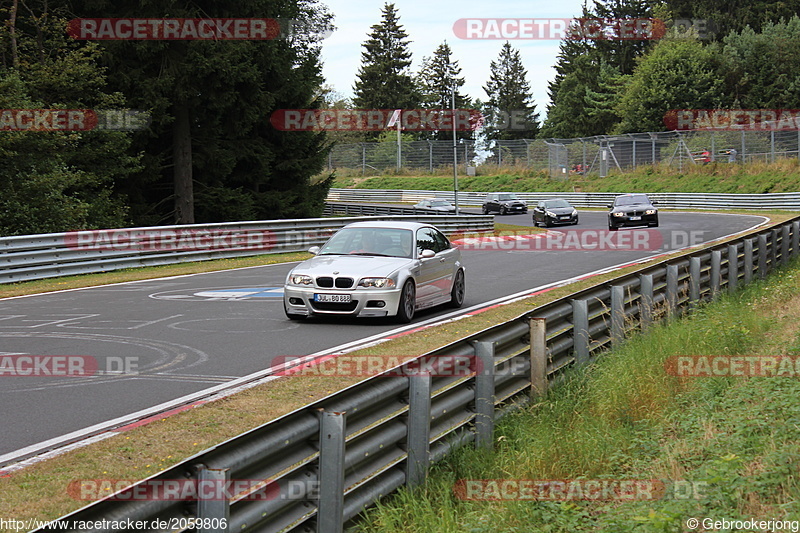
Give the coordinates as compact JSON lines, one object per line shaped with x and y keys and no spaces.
{"x":377,"y":269}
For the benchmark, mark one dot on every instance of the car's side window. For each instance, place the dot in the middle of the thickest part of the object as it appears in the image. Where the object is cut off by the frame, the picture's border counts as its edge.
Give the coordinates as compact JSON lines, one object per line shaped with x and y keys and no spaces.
{"x":541,"y":205}
{"x":441,"y":241}
{"x":425,"y":240}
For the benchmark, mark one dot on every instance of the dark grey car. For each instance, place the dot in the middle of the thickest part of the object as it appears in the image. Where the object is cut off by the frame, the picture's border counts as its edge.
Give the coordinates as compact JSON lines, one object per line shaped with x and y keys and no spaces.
{"x":554,"y":211}
{"x":503,"y":203}
{"x":632,"y":210}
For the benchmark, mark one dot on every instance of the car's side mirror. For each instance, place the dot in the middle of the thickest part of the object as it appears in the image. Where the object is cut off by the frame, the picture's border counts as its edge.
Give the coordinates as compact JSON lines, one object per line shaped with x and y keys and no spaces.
{"x":426,"y":254}
{"x":610,"y":206}
{"x":654,"y":203}
{"x":314,"y":250}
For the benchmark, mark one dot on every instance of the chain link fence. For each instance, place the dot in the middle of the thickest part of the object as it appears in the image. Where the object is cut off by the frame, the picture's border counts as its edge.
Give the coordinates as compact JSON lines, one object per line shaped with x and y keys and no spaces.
{"x":561,"y":157}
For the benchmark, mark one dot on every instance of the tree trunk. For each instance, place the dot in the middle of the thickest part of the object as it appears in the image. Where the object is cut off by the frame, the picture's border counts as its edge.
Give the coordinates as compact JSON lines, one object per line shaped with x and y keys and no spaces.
{"x":182,"y":169}
{"x":12,"y":30}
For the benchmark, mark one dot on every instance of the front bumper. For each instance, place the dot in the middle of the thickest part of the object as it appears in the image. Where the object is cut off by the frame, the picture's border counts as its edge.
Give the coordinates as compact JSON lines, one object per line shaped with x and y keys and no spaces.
{"x":516,"y":208}
{"x":562,"y":219}
{"x":633,"y":220}
{"x":363,"y":302}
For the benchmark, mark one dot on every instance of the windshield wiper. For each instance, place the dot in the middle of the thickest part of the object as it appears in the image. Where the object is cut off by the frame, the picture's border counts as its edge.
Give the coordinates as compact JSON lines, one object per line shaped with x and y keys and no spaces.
{"x":369,"y":254}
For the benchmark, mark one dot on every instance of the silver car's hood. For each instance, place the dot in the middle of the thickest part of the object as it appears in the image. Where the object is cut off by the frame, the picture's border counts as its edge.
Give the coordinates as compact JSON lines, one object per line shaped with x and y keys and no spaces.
{"x":354,"y":266}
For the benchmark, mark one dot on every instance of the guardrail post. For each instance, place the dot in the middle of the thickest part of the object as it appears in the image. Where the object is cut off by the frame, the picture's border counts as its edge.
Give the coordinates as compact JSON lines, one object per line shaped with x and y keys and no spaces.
{"x":484,"y":395}
{"x":538,"y":329}
{"x":784,"y":244}
{"x":580,"y":331}
{"x":330,"y":507}
{"x":733,"y":267}
{"x":645,"y":300}
{"x":773,"y":250}
{"x":672,"y":289}
{"x":214,"y":513}
{"x":796,"y":232}
{"x":748,"y":260}
{"x":762,"y":256}
{"x":694,"y":280}
{"x":419,"y":429}
{"x":716,"y":271}
{"x":617,"y":315}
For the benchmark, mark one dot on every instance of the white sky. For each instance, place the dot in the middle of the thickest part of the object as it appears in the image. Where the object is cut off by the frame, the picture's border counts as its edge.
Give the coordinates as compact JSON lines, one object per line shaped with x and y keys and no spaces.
{"x":428,"y":23}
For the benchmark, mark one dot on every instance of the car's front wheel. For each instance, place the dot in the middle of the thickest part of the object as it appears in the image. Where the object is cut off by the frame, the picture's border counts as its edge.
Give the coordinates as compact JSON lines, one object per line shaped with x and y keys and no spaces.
{"x":408,"y":303}
{"x":503,"y":210}
{"x":485,"y":210}
{"x":458,"y":290}
{"x":612,"y":227}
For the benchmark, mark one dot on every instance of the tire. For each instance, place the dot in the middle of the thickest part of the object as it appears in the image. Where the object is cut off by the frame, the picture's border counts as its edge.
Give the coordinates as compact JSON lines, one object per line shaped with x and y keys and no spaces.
{"x":535,"y":224}
{"x":654,"y":224}
{"x":408,"y":303}
{"x":612,"y":227}
{"x":485,"y":210}
{"x":458,"y":290}
{"x":547,"y":222}
{"x":503,"y":210}
{"x":576,"y":222}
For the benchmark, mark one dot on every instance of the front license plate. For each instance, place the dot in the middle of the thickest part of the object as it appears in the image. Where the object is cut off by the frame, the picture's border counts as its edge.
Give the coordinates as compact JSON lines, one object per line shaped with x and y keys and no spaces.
{"x":564,"y":218}
{"x":332,"y":298}
{"x":635,"y":218}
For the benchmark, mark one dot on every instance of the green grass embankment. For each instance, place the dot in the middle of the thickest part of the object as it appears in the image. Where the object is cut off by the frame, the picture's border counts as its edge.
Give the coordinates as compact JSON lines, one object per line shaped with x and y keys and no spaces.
{"x":734,"y":441}
{"x":752,"y":178}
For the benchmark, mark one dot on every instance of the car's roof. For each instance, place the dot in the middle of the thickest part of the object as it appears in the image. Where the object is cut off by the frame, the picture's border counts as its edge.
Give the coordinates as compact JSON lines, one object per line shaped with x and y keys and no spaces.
{"x":388,"y":224}
{"x":631,"y":194}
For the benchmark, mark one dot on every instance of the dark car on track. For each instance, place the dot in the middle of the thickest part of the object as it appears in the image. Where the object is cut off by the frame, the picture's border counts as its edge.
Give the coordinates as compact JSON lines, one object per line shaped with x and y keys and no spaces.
{"x":632,"y":210}
{"x":503,"y":203}
{"x":554,"y":211}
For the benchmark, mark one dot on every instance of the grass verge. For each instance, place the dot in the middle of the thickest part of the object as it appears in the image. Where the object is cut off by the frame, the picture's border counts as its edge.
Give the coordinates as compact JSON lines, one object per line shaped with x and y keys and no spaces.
{"x":736,"y":440}
{"x":750,"y":178}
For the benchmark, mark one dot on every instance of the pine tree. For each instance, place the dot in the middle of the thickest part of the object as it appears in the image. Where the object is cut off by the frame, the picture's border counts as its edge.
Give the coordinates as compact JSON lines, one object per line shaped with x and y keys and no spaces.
{"x":510,"y":111}
{"x":437,"y":79}
{"x":384,"y":78}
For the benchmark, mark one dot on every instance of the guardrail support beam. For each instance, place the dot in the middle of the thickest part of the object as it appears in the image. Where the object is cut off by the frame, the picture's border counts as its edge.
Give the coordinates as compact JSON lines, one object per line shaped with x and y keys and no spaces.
{"x":617,"y":315}
{"x":694,"y":281}
{"x":785,"y":236}
{"x":716,"y":271}
{"x":672,"y":290}
{"x":733,"y":267}
{"x":762,"y":256}
{"x":484,"y":395}
{"x":748,"y":260}
{"x":330,"y":508}
{"x":214,"y":514}
{"x":646,"y":300}
{"x":419,"y":429}
{"x":538,"y":329}
{"x":580,"y":331}
{"x":795,"y":234}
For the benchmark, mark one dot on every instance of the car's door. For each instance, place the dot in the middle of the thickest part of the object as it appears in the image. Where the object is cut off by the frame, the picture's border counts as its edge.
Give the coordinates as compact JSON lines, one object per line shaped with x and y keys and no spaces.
{"x":433,"y":270}
{"x":538,"y":212}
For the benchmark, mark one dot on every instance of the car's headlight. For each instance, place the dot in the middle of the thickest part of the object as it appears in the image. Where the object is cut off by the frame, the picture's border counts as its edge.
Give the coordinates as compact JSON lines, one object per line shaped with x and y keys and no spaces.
{"x":650,"y":212}
{"x":618,"y":214}
{"x":377,"y":283}
{"x":551,"y":214}
{"x":300,"y":279}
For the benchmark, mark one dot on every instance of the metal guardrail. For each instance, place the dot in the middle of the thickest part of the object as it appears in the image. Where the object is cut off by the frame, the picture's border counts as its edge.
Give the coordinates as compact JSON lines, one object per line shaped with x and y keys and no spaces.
{"x":328,"y":461}
{"x":50,"y":255}
{"x":673,"y":200}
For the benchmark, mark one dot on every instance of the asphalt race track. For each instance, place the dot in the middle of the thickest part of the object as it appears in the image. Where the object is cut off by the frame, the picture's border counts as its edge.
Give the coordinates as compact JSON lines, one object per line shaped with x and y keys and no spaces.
{"x":186,"y":334}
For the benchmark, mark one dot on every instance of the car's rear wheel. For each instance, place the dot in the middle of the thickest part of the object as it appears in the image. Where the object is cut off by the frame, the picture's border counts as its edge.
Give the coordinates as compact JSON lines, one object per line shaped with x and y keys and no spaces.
{"x":458,"y":290}
{"x":485,"y":210}
{"x":408,"y":303}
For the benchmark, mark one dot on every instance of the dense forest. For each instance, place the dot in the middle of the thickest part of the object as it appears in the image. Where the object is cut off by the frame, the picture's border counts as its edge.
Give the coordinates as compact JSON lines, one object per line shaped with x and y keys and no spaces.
{"x":208,"y":153}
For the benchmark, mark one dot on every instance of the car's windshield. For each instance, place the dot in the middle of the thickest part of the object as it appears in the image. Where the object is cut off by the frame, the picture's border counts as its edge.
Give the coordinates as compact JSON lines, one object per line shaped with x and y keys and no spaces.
{"x":631,"y":200}
{"x":388,"y":242}
{"x":439,"y":203}
{"x":507,"y":196}
{"x":556,"y":203}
